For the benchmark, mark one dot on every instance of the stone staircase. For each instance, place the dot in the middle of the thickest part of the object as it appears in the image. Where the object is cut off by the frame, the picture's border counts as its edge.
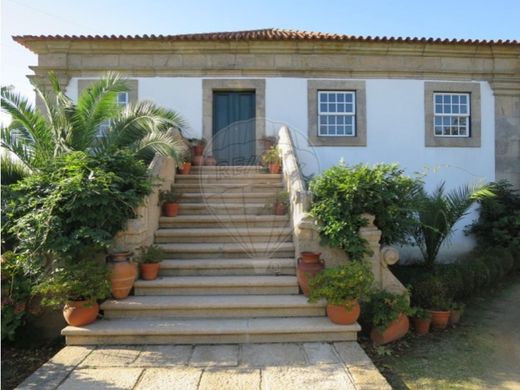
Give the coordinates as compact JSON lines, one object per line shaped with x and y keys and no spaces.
{"x":229,"y":276}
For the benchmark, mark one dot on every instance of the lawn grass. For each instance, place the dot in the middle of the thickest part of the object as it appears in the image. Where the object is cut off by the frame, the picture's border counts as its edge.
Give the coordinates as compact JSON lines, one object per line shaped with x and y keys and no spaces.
{"x":480,"y":353}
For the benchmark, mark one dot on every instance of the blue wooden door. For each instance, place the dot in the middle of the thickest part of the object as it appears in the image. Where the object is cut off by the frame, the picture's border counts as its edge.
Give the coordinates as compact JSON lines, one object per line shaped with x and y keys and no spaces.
{"x":234,"y":131}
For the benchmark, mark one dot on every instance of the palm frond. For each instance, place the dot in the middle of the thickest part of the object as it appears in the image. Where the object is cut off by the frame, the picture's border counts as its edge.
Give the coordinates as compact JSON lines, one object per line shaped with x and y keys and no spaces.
{"x":12,"y":169}
{"x":158,"y":142}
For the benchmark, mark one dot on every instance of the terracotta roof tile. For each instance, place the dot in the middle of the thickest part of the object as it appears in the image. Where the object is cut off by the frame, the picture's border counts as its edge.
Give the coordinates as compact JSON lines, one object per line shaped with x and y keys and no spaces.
{"x":269,"y":34}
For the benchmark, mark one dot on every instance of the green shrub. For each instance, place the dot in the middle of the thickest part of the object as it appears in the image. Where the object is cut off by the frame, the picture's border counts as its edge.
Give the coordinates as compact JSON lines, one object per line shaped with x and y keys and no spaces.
{"x":385,"y":307}
{"x":338,"y":285}
{"x":76,"y":203}
{"x":86,"y":280}
{"x":150,"y":254}
{"x":499,"y":217}
{"x":341,"y":194}
{"x":432,"y":293}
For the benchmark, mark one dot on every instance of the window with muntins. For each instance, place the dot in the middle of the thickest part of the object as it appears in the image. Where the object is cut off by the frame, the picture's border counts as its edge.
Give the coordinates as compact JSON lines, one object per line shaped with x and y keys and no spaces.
{"x":122,"y":100}
{"x":336,"y":113}
{"x":451,"y":114}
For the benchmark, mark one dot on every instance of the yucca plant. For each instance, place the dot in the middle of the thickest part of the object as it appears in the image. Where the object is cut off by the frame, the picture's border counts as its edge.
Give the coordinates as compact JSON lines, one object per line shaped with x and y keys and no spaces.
{"x":34,"y":137}
{"x":438,"y":212}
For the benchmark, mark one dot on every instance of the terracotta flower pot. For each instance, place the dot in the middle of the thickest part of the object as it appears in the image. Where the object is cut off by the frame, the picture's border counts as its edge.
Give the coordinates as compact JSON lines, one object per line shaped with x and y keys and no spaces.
{"x":198,"y":150}
{"x":274,"y":168}
{"x":310,"y":257}
{"x":149,"y":271}
{"x":440,"y":319}
{"x":394,"y":331}
{"x":77,"y":314}
{"x":339,"y":314}
{"x":122,"y":277}
{"x":185,"y":168}
{"x":197,"y":161}
{"x":170,"y":209}
{"x":306,"y":271}
{"x":210,"y":161}
{"x":421,"y":325}
{"x":280,"y":209}
{"x":455,"y":316}
{"x":120,"y":256}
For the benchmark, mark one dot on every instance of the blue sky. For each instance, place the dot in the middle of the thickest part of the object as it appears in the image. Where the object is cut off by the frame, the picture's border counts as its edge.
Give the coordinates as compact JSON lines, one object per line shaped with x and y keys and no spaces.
{"x":482,"y":19}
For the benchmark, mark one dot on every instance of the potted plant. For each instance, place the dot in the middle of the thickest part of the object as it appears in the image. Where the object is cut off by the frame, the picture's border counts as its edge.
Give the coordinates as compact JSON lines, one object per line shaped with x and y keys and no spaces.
{"x":280,"y":203}
{"x":342,"y":287}
{"x":149,"y":259}
{"x":432,"y":293}
{"x":168,"y":200}
{"x":185,"y":168}
{"x":210,"y":161}
{"x":389,"y":313}
{"x":457,"y":309}
{"x":123,"y":272}
{"x":422,"y":319}
{"x":77,"y":286}
{"x":310,"y":257}
{"x":272,"y":159}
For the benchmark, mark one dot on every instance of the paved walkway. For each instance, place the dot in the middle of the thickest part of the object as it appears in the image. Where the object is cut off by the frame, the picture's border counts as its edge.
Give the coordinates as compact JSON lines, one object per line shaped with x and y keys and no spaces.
{"x":283,"y":366}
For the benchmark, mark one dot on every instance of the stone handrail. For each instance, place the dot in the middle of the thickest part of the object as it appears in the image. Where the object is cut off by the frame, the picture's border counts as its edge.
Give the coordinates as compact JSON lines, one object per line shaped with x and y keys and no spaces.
{"x":306,"y":235}
{"x":140,"y":231}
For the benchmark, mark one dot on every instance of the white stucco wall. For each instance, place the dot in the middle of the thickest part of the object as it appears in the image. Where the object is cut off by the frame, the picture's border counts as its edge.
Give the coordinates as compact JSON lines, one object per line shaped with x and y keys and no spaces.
{"x":395,"y":130}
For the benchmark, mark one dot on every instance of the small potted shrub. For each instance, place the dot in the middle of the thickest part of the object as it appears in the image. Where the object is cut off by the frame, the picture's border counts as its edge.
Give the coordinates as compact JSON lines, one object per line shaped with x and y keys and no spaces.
{"x":77,"y":286}
{"x":389,"y":313}
{"x":272,"y":159}
{"x":432,"y":293}
{"x":457,"y":309}
{"x":169,"y":202}
{"x":185,"y":168}
{"x":280,"y":203}
{"x":198,"y":147}
{"x":149,"y":259}
{"x":342,"y":287}
{"x":422,"y":319}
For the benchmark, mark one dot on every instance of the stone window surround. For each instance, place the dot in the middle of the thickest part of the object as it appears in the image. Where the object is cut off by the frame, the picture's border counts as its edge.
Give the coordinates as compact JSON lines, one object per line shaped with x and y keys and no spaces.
{"x":473,"y":141}
{"x":313,"y":86}
{"x":132,"y":88}
{"x":256,"y":85}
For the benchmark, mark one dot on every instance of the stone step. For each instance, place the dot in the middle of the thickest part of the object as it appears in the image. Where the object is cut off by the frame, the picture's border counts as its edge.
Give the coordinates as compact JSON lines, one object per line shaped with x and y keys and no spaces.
{"x":228,"y":250}
{"x":228,"y":187}
{"x":217,"y":285}
{"x":225,"y":209}
{"x":243,"y":235}
{"x":235,"y":169}
{"x":227,"y":221}
{"x":221,"y":267}
{"x":227,"y":197}
{"x":229,"y":177}
{"x":214,"y":306}
{"x":209,"y":331}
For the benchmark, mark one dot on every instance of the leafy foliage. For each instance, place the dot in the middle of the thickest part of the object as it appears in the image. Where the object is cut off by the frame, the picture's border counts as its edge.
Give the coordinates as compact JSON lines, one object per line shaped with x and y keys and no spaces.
{"x":385,"y":307}
{"x":438,"y":212}
{"x":75,"y":203}
{"x":86,"y":280}
{"x":499,"y":217}
{"x":171,"y":196}
{"x":272,"y":156}
{"x":339,"y":285}
{"x":341,"y":194}
{"x":33,"y":138}
{"x":150,"y":254}
{"x":432,"y":293}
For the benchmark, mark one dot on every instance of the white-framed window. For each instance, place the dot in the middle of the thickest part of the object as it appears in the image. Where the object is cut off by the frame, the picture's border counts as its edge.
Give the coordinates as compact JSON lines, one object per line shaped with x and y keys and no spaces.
{"x":451,"y":114}
{"x":336,"y":113}
{"x":122,"y":100}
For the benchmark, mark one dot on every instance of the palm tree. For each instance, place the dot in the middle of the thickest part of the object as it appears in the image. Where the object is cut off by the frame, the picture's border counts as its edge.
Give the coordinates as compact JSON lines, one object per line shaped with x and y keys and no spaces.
{"x":438,"y":212}
{"x":34,"y":137}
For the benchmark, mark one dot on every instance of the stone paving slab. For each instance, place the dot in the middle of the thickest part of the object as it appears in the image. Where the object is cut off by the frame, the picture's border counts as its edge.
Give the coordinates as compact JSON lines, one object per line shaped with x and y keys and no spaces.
{"x":275,"y":354}
{"x":286,"y":366}
{"x":52,"y":373}
{"x":232,"y":379}
{"x":117,"y":356}
{"x":163,"y":356}
{"x":214,"y":355}
{"x":102,"y":378}
{"x":171,"y":378}
{"x":322,"y":377}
